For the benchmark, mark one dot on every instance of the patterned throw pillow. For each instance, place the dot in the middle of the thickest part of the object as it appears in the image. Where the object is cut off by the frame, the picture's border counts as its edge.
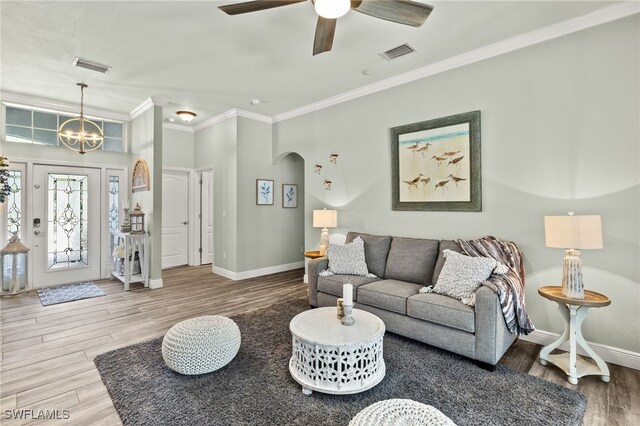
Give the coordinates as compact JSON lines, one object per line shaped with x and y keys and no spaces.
{"x":461,"y":276}
{"x":347,"y":259}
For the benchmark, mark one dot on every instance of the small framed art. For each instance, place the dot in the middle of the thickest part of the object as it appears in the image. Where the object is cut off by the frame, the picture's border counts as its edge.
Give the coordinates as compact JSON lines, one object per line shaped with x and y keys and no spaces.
{"x":289,"y":195}
{"x":264,"y":192}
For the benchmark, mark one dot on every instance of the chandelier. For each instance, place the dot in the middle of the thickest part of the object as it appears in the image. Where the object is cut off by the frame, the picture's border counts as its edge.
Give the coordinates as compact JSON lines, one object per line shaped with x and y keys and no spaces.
{"x":80,"y":134}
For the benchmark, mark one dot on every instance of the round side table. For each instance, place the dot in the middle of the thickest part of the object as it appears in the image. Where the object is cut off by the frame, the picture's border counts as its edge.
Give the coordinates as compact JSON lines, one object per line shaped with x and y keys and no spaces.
{"x":574,"y":311}
{"x":312,"y":254}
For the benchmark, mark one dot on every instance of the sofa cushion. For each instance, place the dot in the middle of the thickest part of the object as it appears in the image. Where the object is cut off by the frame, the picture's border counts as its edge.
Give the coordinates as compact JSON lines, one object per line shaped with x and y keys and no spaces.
{"x":412,"y":260}
{"x":376,"y":250}
{"x":347,"y":259}
{"x":444,"y":245}
{"x":442,"y":310}
{"x":333,"y":284}
{"x":390,"y":295}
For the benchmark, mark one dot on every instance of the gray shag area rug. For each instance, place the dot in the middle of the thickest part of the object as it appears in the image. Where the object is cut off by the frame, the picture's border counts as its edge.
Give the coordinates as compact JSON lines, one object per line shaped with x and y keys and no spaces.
{"x":257,"y":389}
{"x":68,"y":293}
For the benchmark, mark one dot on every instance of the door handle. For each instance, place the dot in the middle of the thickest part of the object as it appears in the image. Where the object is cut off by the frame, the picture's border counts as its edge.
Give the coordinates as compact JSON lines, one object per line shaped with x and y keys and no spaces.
{"x":37,"y":232}
{"x":186,"y":222}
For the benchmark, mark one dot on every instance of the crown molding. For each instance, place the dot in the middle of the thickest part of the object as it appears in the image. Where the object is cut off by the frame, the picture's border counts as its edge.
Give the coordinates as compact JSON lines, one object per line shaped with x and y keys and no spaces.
{"x":234,"y":112}
{"x":595,"y":18}
{"x":215,"y":120}
{"x":176,"y":126}
{"x":253,"y":116}
{"x":135,"y":113}
{"x":25,"y":101}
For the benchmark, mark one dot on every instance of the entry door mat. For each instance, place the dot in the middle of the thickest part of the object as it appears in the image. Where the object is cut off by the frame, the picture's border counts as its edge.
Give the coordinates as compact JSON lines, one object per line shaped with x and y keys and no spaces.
{"x":69,"y":293}
{"x":256,"y":388}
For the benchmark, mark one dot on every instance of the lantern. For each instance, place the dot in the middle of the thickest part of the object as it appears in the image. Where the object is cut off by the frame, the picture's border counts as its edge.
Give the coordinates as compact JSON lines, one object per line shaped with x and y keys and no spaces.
{"x":137,"y":220}
{"x":13,"y":263}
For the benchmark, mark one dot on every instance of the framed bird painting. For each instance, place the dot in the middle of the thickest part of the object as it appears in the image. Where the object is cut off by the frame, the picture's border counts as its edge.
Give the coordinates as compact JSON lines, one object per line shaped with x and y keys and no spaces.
{"x":436,"y":164}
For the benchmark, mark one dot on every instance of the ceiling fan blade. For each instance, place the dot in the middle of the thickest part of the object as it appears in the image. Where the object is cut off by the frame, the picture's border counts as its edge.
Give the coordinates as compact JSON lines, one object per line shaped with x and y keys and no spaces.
{"x":254,"y":6}
{"x":401,"y":11}
{"x":325,"y":31}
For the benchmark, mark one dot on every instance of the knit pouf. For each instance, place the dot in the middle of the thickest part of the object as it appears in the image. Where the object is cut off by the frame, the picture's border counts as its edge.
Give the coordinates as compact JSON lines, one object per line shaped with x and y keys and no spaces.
{"x":201,"y":345}
{"x":400,"y":412}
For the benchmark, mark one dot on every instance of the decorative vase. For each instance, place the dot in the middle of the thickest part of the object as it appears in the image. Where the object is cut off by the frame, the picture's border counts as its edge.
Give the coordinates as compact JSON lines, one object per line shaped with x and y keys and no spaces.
{"x":126,"y":222}
{"x":340,"y":308}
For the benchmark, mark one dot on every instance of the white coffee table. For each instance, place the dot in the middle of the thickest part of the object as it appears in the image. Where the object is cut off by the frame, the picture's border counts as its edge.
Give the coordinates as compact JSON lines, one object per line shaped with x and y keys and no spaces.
{"x":333,"y":358}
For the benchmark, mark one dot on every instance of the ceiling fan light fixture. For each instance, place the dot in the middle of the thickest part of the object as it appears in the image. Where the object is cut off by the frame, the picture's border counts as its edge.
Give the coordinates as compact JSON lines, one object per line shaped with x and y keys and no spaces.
{"x":186,"y":116}
{"x":332,"y":9}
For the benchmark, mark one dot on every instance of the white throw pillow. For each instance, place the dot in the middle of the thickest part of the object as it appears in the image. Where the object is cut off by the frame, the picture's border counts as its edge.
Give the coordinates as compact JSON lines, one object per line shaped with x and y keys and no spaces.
{"x":347,"y":259}
{"x":461,"y":276}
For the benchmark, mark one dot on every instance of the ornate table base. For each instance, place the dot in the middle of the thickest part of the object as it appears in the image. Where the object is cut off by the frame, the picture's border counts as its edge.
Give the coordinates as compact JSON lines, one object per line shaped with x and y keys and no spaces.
{"x":332,"y":358}
{"x":571,"y":363}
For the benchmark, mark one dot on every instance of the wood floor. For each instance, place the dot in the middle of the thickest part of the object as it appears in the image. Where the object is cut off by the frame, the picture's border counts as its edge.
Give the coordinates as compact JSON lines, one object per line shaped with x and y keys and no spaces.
{"x":47,"y":352}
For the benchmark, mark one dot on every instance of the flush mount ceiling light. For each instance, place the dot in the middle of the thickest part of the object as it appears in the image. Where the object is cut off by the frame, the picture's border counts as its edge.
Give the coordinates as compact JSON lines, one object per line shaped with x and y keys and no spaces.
{"x":90,"y":65}
{"x":332,"y":9}
{"x":255,"y":101}
{"x":186,"y":116}
{"x":80,"y":134}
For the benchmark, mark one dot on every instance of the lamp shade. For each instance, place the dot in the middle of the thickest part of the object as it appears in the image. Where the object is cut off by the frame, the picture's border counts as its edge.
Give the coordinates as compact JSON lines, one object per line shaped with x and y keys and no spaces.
{"x":573,"y":232}
{"x":325,"y":218}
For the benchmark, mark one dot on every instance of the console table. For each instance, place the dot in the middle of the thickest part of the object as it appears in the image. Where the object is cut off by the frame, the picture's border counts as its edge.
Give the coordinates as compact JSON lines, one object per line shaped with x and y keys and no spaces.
{"x":132,"y":243}
{"x":574,"y":311}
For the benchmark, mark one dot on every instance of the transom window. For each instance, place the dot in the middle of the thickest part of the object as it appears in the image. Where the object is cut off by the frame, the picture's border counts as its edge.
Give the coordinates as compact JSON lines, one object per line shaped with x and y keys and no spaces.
{"x":39,"y":127}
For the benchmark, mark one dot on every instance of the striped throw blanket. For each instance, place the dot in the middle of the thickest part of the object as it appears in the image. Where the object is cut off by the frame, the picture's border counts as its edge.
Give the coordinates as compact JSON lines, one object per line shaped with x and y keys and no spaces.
{"x":509,"y":286}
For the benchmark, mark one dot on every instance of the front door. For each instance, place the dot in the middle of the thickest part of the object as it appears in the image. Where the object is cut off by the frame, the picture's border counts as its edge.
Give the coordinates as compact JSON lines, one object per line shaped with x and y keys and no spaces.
{"x":66,"y":225}
{"x":175,"y":218}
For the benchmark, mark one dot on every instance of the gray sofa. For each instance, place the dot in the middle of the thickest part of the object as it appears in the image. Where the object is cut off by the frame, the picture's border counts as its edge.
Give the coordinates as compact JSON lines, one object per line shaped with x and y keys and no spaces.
{"x":403,"y":266}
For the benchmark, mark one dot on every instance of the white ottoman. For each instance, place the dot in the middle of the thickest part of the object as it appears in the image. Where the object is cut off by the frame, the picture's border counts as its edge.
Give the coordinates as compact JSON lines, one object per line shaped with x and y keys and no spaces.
{"x":400,"y":412}
{"x":201,"y":345}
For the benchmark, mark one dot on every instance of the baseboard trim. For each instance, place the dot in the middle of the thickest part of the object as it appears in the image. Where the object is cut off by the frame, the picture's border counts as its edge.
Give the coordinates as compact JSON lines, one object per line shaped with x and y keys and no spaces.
{"x":257,"y":272}
{"x":153,"y":284}
{"x":610,"y":354}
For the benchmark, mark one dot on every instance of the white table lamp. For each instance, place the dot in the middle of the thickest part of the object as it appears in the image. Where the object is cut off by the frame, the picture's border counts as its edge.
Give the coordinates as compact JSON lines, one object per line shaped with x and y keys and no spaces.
{"x":325,"y":219}
{"x":573,"y":233}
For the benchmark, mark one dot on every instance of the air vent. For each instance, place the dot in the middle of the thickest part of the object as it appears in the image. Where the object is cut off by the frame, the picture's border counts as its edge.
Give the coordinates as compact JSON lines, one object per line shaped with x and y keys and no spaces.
{"x":396,"y":52}
{"x":90,"y":65}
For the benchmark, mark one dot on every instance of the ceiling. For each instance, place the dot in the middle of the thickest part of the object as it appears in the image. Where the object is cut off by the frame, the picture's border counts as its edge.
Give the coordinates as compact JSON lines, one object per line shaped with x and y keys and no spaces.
{"x":196,"y":57}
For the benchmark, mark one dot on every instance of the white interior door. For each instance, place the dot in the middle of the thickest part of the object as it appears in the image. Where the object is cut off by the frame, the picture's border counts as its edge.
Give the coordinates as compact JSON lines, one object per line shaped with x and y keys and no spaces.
{"x":175,"y":218}
{"x":206,"y":222}
{"x":66,"y":225}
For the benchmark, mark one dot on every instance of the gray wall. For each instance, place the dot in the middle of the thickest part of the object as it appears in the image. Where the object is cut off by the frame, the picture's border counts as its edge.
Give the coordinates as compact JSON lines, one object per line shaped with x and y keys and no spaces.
{"x":217,"y":146}
{"x":146,"y":143}
{"x":177,"y":148}
{"x":250,"y":236}
{"x":267,"y":235}
{"x":560,"y":132}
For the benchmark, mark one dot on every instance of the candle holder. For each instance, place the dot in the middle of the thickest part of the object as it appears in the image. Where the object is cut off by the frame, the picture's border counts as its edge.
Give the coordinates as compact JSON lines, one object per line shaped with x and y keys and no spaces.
{"x":348,"y":318}
{"x":340,"y":306}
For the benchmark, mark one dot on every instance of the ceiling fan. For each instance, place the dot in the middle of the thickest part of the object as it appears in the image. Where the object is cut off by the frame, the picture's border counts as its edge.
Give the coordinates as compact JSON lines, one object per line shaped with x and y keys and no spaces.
{"x":405,"y":12}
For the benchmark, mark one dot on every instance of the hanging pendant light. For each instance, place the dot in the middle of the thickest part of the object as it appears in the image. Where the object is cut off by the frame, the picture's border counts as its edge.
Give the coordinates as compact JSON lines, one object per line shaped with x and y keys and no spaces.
{"x":80,"y":134}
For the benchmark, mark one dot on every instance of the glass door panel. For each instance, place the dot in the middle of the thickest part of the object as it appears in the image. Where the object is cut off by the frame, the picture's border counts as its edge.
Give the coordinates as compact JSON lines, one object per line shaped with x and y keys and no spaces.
{"x":66,"y":225}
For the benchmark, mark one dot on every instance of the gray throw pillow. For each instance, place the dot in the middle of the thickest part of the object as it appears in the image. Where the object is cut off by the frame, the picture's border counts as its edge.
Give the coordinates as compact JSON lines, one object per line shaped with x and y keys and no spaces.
{"x":347,"y":259}
{"x":376,"y":250}
{"x":461,"y":276}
